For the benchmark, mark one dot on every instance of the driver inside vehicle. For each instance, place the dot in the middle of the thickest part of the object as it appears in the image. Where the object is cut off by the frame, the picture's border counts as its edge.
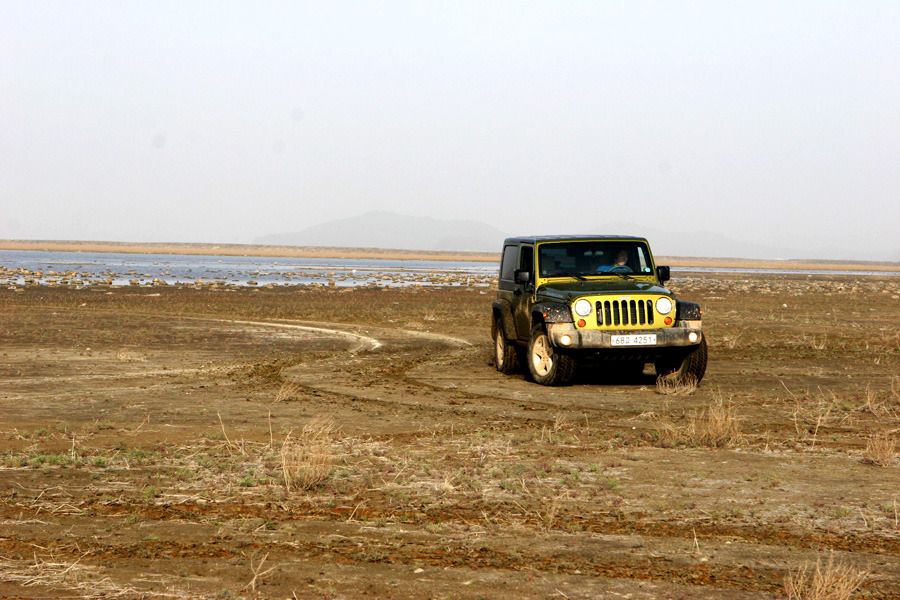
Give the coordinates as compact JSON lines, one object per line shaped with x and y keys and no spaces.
{"x":620,"y":265}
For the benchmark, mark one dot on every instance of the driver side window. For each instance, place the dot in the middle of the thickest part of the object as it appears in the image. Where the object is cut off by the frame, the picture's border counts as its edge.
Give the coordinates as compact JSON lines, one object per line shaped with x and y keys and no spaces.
{"x":526,"y":258}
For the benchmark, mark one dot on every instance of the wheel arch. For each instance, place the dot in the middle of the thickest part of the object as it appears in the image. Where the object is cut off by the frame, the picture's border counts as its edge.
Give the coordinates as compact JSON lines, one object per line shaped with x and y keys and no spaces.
{"x":501,"y":312}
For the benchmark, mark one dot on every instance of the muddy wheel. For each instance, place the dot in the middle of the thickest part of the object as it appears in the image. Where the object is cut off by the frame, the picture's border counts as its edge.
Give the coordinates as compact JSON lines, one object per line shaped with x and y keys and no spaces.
{"x":506,"y":356}
{"x":547,"y":365}
{"x":685,"y":369}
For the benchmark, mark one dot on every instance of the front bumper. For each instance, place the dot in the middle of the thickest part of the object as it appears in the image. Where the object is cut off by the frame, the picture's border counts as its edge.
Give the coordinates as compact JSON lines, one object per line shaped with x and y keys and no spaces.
{"x":595,"y":339}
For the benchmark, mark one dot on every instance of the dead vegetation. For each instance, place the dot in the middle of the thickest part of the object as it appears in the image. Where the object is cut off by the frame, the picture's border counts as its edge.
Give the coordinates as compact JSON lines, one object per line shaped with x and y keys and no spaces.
{"x":306,"y":460}
{"x":435,"y":477}
{"x":716,"y":426}
{"x":126,"y":355}
{"x":288,"y":392}
{"x":670,"y":385}
{"x":72,"y":575}
{"x":831,"y":580}
{"x":881,"y":450}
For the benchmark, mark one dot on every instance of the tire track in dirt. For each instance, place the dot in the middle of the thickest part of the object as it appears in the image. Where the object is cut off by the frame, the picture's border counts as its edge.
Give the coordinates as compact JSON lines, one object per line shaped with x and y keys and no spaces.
{"x":621,"y":553}
{"x":384,"y":379}
{"x":607,"y":522}
{"x":361,"y":343}
{"x":763,"y":580}
{"x":453,"y":553}
{"x":363,"y":550}
{"x":364,"y":343}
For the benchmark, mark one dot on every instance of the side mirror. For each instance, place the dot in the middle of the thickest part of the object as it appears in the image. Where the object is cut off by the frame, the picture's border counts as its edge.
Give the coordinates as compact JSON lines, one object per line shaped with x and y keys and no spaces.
{"x":523,"y":277}
{"x":663,"y":274}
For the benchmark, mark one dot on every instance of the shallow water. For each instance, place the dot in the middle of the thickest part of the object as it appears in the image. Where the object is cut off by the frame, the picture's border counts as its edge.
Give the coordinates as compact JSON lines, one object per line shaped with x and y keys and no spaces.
{"x":123,"y":269}
{"x":85,"y":268}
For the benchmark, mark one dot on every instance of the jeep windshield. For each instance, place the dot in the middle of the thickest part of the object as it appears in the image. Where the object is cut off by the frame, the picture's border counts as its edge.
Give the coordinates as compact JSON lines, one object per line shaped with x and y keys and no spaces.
{"x":586,"y":258}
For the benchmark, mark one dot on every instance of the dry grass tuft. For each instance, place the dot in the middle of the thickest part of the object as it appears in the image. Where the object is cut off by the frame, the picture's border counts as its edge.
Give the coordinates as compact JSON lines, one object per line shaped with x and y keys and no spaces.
{"x":716,"y":426}
{"x":72,"y":576}
{"x":257,"y":572}
{"x":668,"y":434}
{"x":811,"y":412}
{"x":880,"y":407}
{"x":881,"y":450}
{"x":553,"y":507}
{"x":730,"y":342}
{"x":126,"y":355}
{"x":672,"y":386}
{"x":831,"y":581}
{"x":287,"y":392}
{"x":306,"y":461}
{"x":318,"y":428}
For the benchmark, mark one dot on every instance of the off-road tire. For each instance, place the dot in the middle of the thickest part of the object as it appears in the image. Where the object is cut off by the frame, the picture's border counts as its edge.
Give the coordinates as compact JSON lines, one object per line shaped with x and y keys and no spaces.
{"x":548,"y":365}
{"x":506,"y":355}
{"x":688,"y":369}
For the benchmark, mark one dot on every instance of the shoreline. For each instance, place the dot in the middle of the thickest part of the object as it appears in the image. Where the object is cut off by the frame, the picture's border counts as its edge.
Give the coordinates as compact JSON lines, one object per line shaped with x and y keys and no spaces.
{"x":394,"y":254}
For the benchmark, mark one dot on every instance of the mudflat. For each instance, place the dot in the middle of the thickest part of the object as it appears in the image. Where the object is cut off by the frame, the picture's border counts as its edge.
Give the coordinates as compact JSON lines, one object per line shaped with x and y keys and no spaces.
{"x":173,"y":442}
{"x":392,"y":254}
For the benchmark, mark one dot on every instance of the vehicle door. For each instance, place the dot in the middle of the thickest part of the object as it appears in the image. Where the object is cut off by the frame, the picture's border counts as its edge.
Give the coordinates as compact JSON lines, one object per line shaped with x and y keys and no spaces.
{"x":506,"y":284}
{"x":523,"y":291}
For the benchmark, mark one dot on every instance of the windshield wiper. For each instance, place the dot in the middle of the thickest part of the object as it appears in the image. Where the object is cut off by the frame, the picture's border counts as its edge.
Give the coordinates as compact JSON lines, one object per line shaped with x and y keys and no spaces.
{"x":575,"y":275}
{"x":619,"y":273}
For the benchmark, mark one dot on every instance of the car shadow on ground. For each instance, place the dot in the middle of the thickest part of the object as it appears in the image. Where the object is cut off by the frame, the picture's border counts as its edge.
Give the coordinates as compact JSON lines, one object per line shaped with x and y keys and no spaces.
{"x":615,"y":373}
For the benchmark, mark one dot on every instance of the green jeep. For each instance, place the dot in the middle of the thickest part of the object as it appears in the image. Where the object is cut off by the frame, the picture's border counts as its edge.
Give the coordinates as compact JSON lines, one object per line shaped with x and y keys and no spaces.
{"x":591,"y":299}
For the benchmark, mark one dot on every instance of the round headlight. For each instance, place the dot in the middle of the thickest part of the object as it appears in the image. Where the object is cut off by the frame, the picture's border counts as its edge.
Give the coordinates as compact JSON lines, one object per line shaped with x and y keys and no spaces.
{"x":583,"y":307}
{"x":663,"y":306}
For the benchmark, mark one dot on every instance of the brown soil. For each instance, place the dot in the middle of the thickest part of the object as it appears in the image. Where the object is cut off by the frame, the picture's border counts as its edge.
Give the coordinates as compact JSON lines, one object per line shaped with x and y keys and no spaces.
{"x":142,"y":433}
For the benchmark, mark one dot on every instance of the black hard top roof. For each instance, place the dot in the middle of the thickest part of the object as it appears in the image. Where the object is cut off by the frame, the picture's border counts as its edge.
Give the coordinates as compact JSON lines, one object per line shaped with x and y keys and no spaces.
{"x":534,"y":239}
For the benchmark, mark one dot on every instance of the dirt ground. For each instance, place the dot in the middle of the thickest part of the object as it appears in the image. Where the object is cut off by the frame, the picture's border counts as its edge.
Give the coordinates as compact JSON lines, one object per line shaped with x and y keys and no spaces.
{"x":147,"y":436}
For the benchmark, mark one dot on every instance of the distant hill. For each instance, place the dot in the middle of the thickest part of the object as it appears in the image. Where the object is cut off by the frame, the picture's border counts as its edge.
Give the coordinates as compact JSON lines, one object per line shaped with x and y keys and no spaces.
{"x":382,"y":229}
{"x":715,"y":245}
{"x":703,"y":243}
{"x":387,"y":230}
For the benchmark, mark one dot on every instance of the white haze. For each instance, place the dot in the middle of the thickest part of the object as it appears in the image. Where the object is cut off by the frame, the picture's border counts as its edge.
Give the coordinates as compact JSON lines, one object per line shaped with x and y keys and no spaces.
{"x":768,"y":122}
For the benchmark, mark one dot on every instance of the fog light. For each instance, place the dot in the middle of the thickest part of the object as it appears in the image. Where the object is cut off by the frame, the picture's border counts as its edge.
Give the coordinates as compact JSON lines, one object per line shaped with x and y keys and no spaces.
{"x":582,"y":323}
{"x":565,"y":340}
{"x":693,"y":336}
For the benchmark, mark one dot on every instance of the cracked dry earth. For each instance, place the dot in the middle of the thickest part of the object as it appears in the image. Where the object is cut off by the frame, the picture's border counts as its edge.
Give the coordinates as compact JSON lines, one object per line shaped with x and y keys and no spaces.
{"x":143,"y":432}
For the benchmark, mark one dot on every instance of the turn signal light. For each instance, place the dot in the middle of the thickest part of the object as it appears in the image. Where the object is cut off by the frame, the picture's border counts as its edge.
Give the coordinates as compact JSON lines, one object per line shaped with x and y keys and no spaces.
{"x":582,"y":323}
{"x":668,"y":320}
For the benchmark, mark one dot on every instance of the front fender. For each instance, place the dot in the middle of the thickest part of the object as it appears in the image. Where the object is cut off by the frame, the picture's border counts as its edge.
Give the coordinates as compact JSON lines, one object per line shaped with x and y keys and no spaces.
{"x":551,"y":312}
{"x":687,"y":311}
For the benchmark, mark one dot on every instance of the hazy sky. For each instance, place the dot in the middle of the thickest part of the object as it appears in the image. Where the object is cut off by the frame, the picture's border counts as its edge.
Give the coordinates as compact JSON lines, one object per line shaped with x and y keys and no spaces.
{"x":222,"y":121}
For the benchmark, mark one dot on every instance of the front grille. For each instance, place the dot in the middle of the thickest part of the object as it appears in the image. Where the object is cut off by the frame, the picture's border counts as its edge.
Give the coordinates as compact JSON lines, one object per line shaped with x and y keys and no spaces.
{"x":624,"y":313}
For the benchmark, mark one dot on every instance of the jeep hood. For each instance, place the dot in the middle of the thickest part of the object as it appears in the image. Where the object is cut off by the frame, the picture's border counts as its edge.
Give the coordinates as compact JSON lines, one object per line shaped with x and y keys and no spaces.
{"x":568,"y":290}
